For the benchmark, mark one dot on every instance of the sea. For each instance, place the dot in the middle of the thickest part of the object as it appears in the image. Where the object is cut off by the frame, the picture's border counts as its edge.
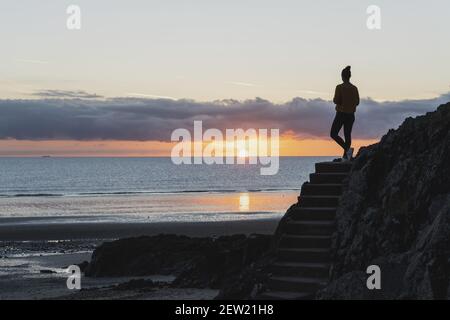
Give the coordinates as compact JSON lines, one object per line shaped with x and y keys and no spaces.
{"x":56,"y":189}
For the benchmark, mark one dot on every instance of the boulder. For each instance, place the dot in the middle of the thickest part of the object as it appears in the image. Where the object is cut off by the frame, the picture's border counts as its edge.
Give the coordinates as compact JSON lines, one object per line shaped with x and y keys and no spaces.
{"x":196,"y":262}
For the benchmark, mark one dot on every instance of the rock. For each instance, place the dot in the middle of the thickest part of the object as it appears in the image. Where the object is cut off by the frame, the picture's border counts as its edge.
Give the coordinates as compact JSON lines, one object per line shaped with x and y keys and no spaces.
{"x":136,"y":284}
{"x":197,"y":262}
{"x":395,"y":212}
{"x":351,"y":286}
{"x":223,"y":263}
{"x":83,"y":266}
{"x":249,"y":282}
{"x":162,"y":254}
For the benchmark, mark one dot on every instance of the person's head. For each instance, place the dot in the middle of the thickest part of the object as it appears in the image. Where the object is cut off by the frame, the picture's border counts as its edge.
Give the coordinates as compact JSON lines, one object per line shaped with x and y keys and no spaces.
{"x":346,"y":74}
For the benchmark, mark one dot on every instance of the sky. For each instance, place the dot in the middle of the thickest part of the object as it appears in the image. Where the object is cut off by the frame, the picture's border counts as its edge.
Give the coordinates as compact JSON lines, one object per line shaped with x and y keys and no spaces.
{"x":275,"y":60}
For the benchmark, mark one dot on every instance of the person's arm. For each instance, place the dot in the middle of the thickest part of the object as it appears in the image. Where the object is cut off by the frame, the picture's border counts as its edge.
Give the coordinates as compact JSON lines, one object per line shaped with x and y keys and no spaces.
{"x":337,"y":96}
{"x":357,"y":97}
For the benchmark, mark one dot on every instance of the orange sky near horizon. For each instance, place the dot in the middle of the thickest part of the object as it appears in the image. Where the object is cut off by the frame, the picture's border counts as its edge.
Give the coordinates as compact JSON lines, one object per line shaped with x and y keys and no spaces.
{"x":69,"y":148}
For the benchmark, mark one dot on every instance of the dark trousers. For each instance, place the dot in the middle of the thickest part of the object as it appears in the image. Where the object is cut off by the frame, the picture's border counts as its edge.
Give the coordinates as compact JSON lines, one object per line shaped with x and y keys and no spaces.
{"x":346,"y":120}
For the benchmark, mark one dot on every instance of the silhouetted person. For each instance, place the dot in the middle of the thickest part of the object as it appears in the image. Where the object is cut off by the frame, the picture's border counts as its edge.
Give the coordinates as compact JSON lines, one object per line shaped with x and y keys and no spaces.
{"x":346,"y":98}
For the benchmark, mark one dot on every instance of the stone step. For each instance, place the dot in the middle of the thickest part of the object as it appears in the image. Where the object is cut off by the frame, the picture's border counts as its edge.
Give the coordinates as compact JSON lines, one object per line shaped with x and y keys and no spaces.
{"x":302,"y":241}
{"x":309,"y":227}
{"x":303,"y":256}
{"x":297,"y":284}
{"x":286,"y":295}
{"x":310,"y":255}
{"x":327,"y":177}
{"x":313,"y":213}
{"x":305,"y":269}
{"x":318,"y":201}
{"x":329,"y":167}
{"x":323,"y":189}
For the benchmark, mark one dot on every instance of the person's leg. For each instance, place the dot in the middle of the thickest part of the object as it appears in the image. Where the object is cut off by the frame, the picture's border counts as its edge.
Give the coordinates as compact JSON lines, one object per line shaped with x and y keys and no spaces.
{"x":348,"y":126}
{"x":338,"y":122}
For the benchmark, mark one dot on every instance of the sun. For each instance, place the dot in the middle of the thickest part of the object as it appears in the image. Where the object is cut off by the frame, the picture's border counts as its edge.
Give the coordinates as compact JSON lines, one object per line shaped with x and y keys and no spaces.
{"x":242,"y":153}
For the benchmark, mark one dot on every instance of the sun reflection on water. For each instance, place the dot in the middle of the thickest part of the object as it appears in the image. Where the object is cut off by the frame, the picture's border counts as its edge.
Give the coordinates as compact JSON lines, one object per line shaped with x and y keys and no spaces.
{"x":244,"y":202}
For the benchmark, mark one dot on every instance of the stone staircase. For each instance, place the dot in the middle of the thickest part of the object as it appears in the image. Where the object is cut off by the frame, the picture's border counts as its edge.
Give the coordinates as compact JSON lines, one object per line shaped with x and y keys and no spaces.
{"x":303,"y":251}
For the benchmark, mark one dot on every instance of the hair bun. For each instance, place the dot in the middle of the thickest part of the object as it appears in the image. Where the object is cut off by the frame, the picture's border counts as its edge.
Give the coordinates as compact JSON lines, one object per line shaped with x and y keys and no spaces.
{"x":346,"y":73}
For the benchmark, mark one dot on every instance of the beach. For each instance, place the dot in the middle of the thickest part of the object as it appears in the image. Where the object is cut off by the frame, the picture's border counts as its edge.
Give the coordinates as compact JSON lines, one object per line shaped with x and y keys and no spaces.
{"x":34,"y":256}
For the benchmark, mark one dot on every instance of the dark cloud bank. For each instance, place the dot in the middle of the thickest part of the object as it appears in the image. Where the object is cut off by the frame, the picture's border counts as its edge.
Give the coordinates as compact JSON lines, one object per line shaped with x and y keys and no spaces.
{"x":80,"y":118}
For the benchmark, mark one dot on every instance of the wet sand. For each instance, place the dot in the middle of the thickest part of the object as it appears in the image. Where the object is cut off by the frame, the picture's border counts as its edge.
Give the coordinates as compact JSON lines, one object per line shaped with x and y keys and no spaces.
{"x":22,"y":279}
{"x":70,"y":231}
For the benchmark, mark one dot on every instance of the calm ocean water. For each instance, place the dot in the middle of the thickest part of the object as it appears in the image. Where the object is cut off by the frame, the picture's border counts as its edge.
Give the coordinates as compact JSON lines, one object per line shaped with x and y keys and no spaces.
{"x":85,"y":189}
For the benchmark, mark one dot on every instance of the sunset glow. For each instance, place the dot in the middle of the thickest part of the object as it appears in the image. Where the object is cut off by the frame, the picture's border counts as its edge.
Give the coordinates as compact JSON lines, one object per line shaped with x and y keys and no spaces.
{"x":288,"y":147}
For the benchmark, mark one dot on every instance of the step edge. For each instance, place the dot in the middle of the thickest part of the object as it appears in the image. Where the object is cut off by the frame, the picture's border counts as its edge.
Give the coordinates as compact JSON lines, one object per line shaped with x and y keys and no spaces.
{"x":301,"y":264}
{"x":304,"y":249}
{"x":313,"y":236}
{"x":325,"y":184}
{"x":282,"y":294}
{"x":339,"y":163}
{"x":319,"y":196}
{"x":314,"y":208}
{"x":300,"y":279}
{"x":331,"y":173}
{"x":315,"y":222}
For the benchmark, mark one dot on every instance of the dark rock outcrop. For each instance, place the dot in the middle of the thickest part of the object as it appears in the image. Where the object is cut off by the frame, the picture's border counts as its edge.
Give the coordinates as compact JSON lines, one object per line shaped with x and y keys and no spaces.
{"x":395,"y":213}
{"x":137,"y":284}
{"x":196,"y":262}
{"x":249,"y":282}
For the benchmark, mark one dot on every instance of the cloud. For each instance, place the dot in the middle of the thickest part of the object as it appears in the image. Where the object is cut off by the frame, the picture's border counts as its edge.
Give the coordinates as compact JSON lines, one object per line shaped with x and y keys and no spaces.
{"x":312,"y":92}
{"x":242,"y":84}
{"x":80,"y":94}
{"x":150,"y":96}
{"x":142,"y":119}
{"x":32,"y":61}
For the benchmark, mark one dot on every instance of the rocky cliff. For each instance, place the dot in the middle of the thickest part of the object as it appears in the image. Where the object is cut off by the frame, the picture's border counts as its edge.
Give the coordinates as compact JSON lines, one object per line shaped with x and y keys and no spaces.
{"x":395,"y":213}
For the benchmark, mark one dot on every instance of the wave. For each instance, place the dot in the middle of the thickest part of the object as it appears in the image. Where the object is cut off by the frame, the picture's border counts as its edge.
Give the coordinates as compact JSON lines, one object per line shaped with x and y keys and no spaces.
{"x":19,"y":195}
{"x":112,"y":193}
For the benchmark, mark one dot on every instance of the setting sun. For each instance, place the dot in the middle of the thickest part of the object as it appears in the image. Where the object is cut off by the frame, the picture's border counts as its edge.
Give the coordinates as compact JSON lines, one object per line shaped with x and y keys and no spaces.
{"x":242,"y":153}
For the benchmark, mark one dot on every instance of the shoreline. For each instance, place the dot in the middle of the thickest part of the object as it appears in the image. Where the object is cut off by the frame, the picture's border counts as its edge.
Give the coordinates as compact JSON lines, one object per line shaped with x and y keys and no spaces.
{"x":31,"y":248}
{"x":116,"y":230}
